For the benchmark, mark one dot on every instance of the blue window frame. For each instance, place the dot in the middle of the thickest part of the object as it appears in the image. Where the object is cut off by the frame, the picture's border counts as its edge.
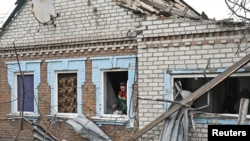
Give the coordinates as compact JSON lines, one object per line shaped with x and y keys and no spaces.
{"x":100,"y":67}
{"x":58,"y":67}
{"x":194,"y":77}
{"x":31,"y":72}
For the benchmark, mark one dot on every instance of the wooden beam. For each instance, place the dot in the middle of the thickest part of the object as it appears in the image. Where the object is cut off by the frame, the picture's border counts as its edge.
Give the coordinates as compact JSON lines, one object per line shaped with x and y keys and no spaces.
{"x":185,"y":11}
{"x":162,"y":100}
{"x":157,"y":7}
{"x":243,"y":109}
{"x":196,"y":94}
{"x":170,"y":6}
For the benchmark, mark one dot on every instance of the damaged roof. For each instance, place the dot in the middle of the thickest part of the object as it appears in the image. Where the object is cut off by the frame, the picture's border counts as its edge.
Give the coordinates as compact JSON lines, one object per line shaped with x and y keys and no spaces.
{"x":161,"y":7}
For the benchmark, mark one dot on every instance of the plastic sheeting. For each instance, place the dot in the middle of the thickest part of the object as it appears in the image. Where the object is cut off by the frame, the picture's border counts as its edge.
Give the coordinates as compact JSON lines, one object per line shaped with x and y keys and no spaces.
{"x":87,"y":129}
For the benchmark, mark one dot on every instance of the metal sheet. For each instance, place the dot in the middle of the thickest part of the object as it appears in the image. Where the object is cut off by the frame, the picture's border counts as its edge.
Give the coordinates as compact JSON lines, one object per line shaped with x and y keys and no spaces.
{"x":87,"y":129}
{"x":40,"y":134}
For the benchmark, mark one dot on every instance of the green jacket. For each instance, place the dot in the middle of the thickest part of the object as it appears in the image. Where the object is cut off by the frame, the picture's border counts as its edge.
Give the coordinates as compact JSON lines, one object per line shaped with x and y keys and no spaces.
{"x":122,"y":102}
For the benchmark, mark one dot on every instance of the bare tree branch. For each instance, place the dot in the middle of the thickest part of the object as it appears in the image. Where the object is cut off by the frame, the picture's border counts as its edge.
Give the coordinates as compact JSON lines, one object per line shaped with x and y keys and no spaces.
{"x":240,"y":10}
{"x":236,"y":7}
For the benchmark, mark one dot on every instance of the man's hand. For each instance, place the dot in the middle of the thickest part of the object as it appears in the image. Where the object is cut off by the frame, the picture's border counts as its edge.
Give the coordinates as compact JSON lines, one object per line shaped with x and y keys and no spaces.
{"x":114,"y":105}
{"x":120,"y":112}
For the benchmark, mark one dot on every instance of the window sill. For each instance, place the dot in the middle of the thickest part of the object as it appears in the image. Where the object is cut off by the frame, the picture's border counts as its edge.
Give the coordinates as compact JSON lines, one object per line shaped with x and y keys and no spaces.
{"x":215,"y":118}
{"x":29,"y":116}
{"x":117,"y":120}
{"x":60,"y":118}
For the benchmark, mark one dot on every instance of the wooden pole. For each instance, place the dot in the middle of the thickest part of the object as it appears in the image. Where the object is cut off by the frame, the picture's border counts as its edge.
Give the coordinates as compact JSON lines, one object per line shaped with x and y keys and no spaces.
{"x":243,"y":109}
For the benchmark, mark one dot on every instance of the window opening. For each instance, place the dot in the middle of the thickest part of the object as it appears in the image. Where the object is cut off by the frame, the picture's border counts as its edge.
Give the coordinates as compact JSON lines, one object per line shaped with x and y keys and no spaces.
{"x":224,"y":98}
{"x":111,"y":88}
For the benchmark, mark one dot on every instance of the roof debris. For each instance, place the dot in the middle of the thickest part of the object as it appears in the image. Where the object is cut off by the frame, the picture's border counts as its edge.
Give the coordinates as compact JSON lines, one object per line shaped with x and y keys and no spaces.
{"x":162,"y":8}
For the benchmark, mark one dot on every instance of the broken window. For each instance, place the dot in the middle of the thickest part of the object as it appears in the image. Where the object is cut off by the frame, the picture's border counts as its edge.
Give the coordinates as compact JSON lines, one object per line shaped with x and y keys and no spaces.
{"x":111,"y":88}
{"x":223,"y":98}
{"x":25,"y":93}
{"x":67,"y":92}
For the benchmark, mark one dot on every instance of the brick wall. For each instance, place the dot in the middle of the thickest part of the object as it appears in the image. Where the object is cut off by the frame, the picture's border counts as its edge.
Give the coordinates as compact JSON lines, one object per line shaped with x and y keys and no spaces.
{"x":59,"y":129}
{"x":199,"y":133}
{"x":76,"y":35}
{"x":77,"y":22}
{"x":164,"y":44}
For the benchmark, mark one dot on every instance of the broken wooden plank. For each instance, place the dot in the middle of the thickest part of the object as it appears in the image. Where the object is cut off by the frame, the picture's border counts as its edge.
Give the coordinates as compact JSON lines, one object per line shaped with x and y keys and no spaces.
{"x":158,"y":7}
{"x":191,"y":12}
{"x":138,"y":5}
{"x":196,"y":94}
{"x":162,"y":100}
{"x":170,"y":6}
{"x":243,"y":110}
{"x":185,"y":11}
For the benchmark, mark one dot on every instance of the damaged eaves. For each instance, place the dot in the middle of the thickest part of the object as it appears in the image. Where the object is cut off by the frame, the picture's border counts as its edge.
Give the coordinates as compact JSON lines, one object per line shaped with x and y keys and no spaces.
{"x":162,"y":8}
{"x":231,"y":23}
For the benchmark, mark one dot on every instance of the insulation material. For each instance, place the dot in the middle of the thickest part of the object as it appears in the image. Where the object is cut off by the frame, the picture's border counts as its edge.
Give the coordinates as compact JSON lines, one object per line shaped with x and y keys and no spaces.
{"x":87,"y":129}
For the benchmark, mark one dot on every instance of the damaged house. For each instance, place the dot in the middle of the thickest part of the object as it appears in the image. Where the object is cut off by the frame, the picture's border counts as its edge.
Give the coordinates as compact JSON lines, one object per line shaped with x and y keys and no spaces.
{"x":62,"y":62}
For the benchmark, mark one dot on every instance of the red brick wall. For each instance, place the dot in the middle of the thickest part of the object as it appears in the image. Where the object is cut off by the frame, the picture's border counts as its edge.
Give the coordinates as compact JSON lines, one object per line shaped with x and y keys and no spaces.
{"x":11,"y":129}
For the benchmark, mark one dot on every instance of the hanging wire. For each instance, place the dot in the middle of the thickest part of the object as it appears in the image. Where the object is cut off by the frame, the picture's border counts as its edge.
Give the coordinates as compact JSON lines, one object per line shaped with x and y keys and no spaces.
{"x":23,"y":87}
{"x":132,"y":96}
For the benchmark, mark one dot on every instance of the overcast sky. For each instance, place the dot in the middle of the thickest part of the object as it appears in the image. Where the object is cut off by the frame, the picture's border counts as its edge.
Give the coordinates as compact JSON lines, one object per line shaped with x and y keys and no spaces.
{"x":213,"y":8}
{"x":6,"y":6}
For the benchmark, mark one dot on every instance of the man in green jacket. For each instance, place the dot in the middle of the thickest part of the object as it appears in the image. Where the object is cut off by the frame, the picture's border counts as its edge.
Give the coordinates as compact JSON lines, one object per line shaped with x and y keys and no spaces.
{"x":121,"y":104}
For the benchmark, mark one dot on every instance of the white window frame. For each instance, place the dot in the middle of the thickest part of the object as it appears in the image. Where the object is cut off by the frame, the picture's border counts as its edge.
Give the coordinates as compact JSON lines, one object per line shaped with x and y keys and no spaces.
{"x":103,"y":95}
{"x":65,"y":115}
{"x":15,"y":103}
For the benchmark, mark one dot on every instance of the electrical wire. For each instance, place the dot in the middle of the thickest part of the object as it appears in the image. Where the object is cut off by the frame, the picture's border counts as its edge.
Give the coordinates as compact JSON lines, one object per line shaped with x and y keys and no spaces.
{"x":132,"y":96}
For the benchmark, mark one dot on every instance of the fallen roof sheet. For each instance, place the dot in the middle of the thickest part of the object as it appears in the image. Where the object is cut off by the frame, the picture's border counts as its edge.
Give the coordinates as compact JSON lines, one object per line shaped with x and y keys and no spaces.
{"x":42,"y":135}
{"x":175,"y":128}
{"x":87,"y":129}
